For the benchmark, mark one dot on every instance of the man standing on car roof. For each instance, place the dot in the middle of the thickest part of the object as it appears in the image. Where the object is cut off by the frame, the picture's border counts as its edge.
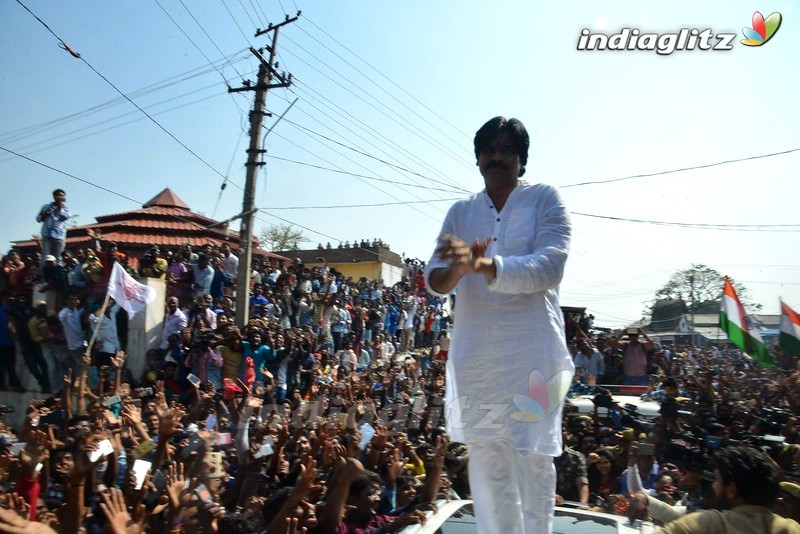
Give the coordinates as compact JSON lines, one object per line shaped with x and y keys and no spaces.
{"x":508,"y":367}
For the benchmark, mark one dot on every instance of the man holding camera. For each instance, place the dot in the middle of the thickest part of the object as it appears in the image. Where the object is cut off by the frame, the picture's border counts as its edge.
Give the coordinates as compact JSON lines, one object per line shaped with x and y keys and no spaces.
{"x":634,"y":354}
{"x":505,"y":249}
{"x":54,"y":217}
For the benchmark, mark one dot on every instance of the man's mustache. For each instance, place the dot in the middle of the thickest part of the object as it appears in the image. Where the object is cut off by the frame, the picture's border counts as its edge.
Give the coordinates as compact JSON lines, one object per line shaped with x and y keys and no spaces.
{"x":497,"y":165}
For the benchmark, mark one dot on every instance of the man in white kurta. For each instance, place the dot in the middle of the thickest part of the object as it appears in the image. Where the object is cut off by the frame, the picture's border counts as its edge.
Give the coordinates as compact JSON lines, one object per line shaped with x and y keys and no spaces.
{"x":508,"y":370}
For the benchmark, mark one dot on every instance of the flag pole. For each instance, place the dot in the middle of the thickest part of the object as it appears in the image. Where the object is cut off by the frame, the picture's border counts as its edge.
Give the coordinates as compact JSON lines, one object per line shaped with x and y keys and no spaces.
{"x":87,"y":356}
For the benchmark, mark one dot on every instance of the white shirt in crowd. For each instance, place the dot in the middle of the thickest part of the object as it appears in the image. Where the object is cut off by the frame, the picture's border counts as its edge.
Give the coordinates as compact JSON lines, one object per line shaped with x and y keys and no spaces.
{"x":107,"y":338}
{"x":173,"y":324}
{"x":230,"y":266}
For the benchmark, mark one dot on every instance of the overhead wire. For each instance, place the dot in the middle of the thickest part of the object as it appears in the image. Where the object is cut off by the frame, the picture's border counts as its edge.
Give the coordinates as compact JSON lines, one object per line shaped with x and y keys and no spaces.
{"x":367,"y":129}
{"x":72,"y":137}
{"x":110,"y":83}
{"x":698,"y":226}
{"x":262,"y":21}
{"x":366,"y":154}
{"x":329,"y":169}
{"x":227,"y":173}
{"x":192,"y":40}
{"x":248,"y":14}
{"x":406,"y":106}
{"x":683,"y":169}
{"x":236,"y":22}
{"x":434,"y":143}
{"x":27,"y":131}
{"x":379,"y":72}
{"x":89,"y":182}
{"x":360,"y":179}
{"x":340,"y":206}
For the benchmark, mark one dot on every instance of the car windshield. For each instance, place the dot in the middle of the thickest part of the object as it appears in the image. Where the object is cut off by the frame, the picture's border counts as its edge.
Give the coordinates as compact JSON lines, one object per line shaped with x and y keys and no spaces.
{"x":565,"y":522}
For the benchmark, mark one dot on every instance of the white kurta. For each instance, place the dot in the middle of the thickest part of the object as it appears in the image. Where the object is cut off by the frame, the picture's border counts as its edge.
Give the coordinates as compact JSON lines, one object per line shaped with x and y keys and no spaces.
{"x":509,"y":367}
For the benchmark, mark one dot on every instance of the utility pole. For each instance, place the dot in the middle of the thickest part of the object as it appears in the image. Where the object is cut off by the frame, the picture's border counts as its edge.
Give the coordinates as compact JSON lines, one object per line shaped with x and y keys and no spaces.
{"x":691,"y":296}
{"x":266,"y":72}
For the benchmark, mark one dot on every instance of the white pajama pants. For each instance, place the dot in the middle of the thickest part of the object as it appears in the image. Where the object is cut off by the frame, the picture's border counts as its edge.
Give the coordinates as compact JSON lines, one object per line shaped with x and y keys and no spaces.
{"x":514,"y":490}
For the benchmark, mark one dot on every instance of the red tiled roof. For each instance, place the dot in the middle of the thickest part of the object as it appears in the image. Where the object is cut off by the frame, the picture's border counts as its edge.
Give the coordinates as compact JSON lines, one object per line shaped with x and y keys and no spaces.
{"x":153,"y":224}
{"x":165,"y":221}
{"x":167,"y":197}
{"x":158,"y":212}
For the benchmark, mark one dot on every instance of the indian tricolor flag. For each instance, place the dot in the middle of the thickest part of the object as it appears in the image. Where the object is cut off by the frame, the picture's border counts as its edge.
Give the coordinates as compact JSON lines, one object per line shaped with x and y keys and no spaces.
{"x":790,"y":330}
{"x":740,"y":328}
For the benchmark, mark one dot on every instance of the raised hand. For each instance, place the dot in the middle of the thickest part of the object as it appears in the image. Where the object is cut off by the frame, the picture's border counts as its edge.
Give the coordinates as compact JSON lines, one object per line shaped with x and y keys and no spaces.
{"x":115,"y":510}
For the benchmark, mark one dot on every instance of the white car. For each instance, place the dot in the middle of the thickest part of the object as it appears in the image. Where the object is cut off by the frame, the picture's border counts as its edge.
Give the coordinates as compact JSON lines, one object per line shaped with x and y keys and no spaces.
{"x":458,"y":517}
{"x":622,"y":395}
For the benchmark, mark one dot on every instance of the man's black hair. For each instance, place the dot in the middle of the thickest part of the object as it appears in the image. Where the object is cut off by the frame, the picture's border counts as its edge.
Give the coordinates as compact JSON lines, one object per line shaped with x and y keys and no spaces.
{"x":756,"y":477}
{"x":363,"y":482}
{"x":275,"y":503}
{"x":239,"y":523}
{"x":57,"y":191}
{"x":498,"y":125}
{"x":669,"y":382}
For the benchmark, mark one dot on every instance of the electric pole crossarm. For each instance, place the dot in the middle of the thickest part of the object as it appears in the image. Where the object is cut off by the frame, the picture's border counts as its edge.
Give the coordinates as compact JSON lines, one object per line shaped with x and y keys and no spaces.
{"x":271,"y":27}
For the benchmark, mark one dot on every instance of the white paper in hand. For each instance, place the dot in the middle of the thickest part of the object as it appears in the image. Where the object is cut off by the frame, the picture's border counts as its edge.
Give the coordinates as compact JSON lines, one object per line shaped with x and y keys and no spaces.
{"x":367,"y":433}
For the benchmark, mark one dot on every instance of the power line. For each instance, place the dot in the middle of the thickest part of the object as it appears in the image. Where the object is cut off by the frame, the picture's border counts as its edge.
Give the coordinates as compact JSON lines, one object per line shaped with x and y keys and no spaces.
{"x":72,"y":138}
{"x":360,"y":124}
{"x":699,"y":226}
{"x":27,"y":131}
{"x":382,"y":204}
{"x":426,"y":121}
{"x":357,"y":151}
{"x":248,"y":14}
{"x":282,"y":8}
{"x":192,"y":41}
{"x":411,"y":130}
{"x":70,"y":175}
{"x":227,"y":173}
{"x":192,"y":152}
{"x":360,"y":179}
{"x":88,"y":182}
{"x":262,"y":21}
{"x":683,"y":169}
{"x":246,"y":38}
{"x":387,"y":78}
{"x":357,"y":175}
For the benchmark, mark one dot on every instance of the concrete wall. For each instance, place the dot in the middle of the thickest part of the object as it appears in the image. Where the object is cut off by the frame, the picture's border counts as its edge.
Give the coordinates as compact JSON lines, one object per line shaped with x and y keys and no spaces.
{"x":370,"y":270}
{"x":144,"y":330}
{"x":390,"y":274}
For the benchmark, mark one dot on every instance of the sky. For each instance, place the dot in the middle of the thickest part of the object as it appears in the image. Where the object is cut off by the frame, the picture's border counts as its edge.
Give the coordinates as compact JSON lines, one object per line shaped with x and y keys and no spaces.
{"x":388,"y":96}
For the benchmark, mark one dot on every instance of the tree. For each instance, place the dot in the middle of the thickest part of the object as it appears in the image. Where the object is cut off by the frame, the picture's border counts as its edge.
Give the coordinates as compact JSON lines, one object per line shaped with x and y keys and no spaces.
{"x":281,"y":237}
{"x":701,"y":284}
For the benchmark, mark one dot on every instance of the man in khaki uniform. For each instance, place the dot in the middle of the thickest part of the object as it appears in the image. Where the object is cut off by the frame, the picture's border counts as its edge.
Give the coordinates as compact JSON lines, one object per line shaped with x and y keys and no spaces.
{"x":745,"y":487}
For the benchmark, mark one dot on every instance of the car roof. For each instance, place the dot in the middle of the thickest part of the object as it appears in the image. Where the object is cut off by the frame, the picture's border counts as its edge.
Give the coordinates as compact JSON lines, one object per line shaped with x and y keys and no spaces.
{"x":582,"y":521}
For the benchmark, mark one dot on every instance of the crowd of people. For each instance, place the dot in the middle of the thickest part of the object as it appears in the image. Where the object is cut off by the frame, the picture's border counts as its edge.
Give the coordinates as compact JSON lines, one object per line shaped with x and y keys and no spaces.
{"x":325,"y":412}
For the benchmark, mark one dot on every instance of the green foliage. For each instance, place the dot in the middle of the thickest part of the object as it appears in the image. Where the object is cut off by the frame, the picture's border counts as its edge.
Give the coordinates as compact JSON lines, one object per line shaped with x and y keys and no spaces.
{"x":281,"y":237}
{"x":700,"y":284}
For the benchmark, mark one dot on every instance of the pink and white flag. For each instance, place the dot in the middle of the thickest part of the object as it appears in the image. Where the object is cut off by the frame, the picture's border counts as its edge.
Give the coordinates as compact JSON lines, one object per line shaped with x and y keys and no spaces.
{"x":127,"y":292}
